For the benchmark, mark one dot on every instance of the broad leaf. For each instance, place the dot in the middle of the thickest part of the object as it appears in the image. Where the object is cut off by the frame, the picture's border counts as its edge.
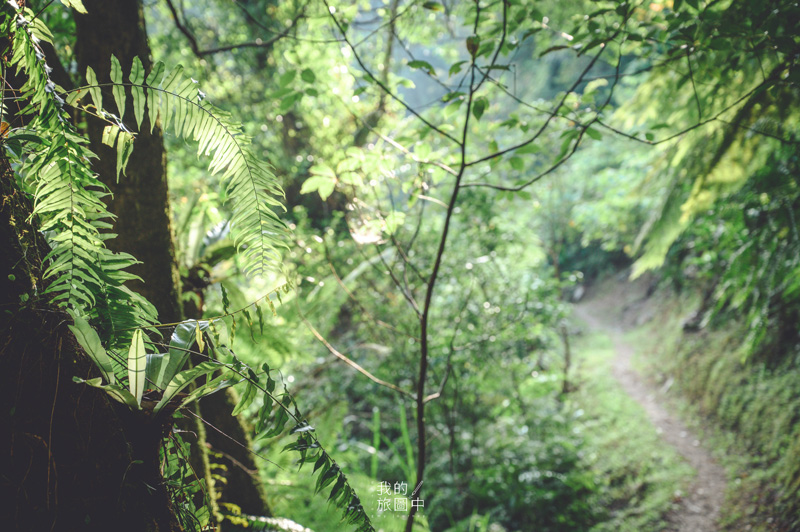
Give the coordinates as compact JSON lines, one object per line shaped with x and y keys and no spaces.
{"x":184,"y":379}
{"x":90,"y":342}
{"x":137,"y":364}
{"x":137,"y":78}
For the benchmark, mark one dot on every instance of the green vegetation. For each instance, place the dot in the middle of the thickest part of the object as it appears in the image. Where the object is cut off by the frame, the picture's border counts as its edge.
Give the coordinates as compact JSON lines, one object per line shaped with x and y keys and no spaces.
{"x":359,"y":228}
{"x":638,"y":474}
{"x":753,"y":405}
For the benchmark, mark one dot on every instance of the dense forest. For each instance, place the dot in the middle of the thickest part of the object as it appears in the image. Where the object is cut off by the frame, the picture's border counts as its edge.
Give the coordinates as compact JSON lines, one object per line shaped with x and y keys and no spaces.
{"x":400,"y":265}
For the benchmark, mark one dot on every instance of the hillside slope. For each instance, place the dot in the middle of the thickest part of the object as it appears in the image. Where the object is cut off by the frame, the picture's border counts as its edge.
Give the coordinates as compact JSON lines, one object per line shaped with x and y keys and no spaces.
{"x":708,"y":402}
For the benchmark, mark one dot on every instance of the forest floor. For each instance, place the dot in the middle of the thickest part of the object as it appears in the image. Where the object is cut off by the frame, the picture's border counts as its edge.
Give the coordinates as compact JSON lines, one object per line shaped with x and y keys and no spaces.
{"x":614,"y":308}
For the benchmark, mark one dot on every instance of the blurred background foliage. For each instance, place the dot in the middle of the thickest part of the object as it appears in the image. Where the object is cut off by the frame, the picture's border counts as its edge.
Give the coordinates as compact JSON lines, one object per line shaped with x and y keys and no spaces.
{"x":676,"y":149}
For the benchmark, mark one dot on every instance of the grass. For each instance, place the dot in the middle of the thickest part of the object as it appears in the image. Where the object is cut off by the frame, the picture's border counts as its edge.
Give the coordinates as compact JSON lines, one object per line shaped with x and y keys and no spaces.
{"x":290,"y":489}
{"x":638,"y":476}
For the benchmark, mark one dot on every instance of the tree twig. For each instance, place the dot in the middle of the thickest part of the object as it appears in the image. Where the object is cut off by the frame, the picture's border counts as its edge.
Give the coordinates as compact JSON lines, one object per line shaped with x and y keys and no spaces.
{"x":347,"y":360}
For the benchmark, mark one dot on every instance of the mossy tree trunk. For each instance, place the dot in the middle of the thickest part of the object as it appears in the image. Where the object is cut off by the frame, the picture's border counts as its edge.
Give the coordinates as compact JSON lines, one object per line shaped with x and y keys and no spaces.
{"x":141,"y":203}
{"x":68,"y":456}
{"x":140,"y":198}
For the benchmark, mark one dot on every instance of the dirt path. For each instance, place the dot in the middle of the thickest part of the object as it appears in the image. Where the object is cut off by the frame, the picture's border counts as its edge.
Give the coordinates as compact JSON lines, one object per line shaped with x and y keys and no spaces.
{"x":699,"y":509}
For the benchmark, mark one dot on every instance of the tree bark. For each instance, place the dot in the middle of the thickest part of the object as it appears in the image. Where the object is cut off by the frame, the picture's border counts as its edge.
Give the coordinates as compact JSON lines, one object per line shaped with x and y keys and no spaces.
{"x":140,"y":198}
{"x":141,"y":203}
{"x":68,"y":458}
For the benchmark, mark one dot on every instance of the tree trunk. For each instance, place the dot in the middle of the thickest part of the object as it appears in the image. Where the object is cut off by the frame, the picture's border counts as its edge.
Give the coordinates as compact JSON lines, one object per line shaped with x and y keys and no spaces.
{"x":144,"y":230}
{"x":140,"y":198}
{"x":69,"y":461}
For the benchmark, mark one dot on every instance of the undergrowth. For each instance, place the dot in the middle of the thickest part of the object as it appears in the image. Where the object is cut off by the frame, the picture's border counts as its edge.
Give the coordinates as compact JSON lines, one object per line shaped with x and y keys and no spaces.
{"x":637,"y":475}
{"x":754,"y":403}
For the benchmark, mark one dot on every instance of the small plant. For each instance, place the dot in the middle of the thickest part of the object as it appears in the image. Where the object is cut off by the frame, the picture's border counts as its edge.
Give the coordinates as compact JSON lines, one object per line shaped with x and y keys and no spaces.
{"x":156,"y":389}
{"x":156,"y":381}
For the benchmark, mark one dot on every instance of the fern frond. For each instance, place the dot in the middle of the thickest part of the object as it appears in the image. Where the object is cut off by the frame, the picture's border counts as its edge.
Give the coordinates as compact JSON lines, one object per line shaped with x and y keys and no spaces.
{"x":249,"y":182}
{"x":81,"y":272}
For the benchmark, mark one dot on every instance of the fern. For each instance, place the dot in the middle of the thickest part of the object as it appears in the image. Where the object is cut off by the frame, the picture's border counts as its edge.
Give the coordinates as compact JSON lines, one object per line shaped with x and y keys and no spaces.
{"x":250,"y":184}
{"x":82,"y":273}
{"x":87,"y":278}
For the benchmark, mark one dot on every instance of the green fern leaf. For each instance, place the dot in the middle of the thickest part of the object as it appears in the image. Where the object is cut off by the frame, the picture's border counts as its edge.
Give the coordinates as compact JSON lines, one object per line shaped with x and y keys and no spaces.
{"x":118,"y":89}
{"x":94,"y":88}
{"x":136,"y":78}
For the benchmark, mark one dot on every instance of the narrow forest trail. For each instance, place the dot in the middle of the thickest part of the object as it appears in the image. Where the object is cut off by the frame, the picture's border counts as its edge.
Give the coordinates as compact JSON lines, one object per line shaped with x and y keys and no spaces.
{"x":698,"y":510}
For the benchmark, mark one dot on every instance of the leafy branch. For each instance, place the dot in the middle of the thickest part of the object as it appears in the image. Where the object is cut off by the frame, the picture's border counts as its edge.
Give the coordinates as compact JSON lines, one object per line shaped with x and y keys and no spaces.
{"x":252,"y":188}
{"x":82,"y":273}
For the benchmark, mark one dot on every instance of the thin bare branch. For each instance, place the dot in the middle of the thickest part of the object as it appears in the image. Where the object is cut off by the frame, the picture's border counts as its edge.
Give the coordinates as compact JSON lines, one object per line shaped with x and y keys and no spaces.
{"x":347,"y":360}
{"x":378,"y":82}
{"x":258,"y":43}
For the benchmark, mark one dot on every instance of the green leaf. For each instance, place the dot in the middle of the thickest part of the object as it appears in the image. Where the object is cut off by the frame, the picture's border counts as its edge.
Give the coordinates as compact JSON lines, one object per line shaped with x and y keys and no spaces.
{"x":77,"y":5}
{"x":181,"y":341}
{"x":281,"y":417}
{"x":596,"y":135}
{"x":110,"y":134}
{"x":423,"y":65}
{"x":184,"y":379}
{"x":260,"y":315}
{"x":74,"y":97}
{"x":517,"y":163}
{"x":137,"y":78}
{"x":473,"y":43}
{"x":528,"y":148}
{"x":90,"y":342}
{"x":226,"y":303}
{"x":154,"y":78}
{"x":327,"y":477}
{"x":94,"y":90}
{"x":322,"y":170}
{"x":198,"y":336}
{"x":249,"y":320}
{"x":394,"y":220}
{"x":323,"y":459}
{"x":308,"y":76}
{"x":118,"y":90}
{"x":117,"y":392}
{"x":479,"y":106}
{"x":455,"y":68}
{"x":137,"y":364}
{"x":152,"y":369}
{"x":594,"y":85}
{"x":263,"y":414}
{"x":321,"y":184}
{"x":247,"y":398}
{"x":208,"y":388}
{"x":124,"y":150}
{"x":289,"y":101}
{"x":568,"y":135}
{"x":287,"y":77}
{"x":433,"y":6}
{"x":337,"y":487}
